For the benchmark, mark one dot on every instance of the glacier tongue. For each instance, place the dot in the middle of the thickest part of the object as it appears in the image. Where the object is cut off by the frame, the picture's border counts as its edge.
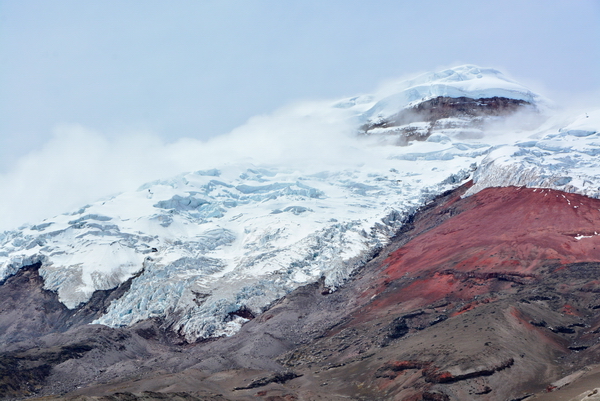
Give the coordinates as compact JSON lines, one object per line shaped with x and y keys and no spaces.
{"x":274,"y":231}
{"x":203,"y":245}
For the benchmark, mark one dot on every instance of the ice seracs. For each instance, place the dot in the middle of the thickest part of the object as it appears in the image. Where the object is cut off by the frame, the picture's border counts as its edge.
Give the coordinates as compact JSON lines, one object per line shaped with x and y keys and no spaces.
{"x":559,"y":157}
{"x":203,"y":245}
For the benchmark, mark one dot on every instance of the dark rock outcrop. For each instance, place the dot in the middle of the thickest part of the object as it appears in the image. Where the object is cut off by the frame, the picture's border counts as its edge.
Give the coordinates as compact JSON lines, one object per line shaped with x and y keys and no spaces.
{"x":28,"y":311}
{"x":471,"y":113}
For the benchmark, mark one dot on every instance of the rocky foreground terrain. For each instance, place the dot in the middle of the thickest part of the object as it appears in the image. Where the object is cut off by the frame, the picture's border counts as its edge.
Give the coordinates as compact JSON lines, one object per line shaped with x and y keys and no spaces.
{"x":490,"y":297}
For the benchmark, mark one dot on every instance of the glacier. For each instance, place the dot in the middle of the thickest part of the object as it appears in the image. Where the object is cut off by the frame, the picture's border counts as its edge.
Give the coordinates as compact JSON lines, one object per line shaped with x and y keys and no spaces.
{"x":199,"y":247}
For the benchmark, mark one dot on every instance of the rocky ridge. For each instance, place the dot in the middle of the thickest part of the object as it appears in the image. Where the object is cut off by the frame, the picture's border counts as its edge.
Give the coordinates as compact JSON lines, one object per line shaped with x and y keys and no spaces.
{"x":466,"y":117}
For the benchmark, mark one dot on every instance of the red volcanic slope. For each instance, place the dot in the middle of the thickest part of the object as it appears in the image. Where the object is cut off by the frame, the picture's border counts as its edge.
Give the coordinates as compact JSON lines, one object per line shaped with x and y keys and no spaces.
{"x":506,"y":233}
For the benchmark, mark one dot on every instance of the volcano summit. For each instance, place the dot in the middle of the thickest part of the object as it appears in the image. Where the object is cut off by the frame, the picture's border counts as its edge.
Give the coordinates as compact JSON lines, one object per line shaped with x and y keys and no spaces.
{"x":452,"y":255}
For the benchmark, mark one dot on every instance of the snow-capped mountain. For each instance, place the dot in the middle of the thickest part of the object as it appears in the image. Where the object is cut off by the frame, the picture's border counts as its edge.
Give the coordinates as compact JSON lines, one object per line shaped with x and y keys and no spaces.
{"x":464,"y":81}
{"x":209,"y":249}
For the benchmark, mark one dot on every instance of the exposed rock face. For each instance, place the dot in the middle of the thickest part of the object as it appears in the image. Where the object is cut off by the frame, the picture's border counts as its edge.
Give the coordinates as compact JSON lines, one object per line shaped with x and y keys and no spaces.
{"x":29,"y":311}
{"x":493,"y":296}
{"x":446,"y":107}
{"x":419,"y":121}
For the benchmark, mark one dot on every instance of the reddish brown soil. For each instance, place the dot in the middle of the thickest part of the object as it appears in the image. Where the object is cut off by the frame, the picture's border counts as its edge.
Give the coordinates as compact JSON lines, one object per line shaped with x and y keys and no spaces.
{"x":506,"y":234}
{"x":506,"y":230}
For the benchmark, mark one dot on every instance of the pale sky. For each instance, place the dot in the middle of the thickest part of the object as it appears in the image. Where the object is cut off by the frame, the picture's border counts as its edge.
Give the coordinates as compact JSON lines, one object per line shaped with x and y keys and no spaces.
{"x":201,"y":68}
{"x":198,"y":69}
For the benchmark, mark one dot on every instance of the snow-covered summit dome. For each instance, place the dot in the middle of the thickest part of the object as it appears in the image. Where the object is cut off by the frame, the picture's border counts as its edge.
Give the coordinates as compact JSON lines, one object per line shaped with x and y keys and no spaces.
{"x":468,"y":81}
{"x":456,"y":101}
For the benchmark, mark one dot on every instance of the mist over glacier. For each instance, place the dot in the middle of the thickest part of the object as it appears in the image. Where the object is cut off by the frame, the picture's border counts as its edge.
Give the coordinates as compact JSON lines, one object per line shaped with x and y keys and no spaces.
{"x":207,"y":199}
{"x":79,"y":165}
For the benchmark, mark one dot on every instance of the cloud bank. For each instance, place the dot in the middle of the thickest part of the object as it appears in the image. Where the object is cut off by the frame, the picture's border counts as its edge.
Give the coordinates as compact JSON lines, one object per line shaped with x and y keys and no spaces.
{"x":78,"y":165}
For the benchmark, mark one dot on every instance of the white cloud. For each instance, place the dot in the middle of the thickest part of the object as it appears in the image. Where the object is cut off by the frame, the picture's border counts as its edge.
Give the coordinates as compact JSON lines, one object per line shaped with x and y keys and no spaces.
{"x":78,"y":166}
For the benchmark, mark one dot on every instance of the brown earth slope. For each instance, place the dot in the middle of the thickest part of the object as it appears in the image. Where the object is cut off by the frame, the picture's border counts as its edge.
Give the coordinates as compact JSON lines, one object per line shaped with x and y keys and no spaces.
{"x":491,"y":297}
